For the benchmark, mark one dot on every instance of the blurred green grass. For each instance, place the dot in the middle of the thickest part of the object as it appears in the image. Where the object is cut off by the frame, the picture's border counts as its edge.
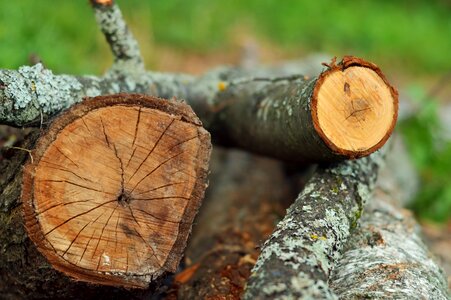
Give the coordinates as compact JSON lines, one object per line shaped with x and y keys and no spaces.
{"x":403,"y":37}
{"x":431,"y":154}
{"x":412,"y":34}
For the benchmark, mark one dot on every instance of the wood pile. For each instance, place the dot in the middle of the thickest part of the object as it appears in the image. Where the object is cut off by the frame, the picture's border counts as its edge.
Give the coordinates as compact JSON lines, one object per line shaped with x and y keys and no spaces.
{"x":100,"y":199}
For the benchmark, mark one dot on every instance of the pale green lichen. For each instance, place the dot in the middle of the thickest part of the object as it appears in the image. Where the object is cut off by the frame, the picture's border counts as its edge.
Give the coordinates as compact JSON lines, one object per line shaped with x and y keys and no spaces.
{"x":307,"y":208}
{"x":264,"y":109}
{"x":276,"y":288}
{"x":300,"y":283}
{"x":309,"y":188}
{"x":31,"y":92}
{"x":39,"y":87}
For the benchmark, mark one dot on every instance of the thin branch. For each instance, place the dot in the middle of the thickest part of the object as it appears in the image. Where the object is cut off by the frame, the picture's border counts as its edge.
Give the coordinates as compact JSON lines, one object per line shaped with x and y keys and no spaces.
{"x":123,"y":44}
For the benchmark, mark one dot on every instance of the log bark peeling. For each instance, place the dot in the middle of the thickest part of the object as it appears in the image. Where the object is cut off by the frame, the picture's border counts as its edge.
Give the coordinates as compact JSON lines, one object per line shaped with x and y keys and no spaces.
{"x":297,"y":259}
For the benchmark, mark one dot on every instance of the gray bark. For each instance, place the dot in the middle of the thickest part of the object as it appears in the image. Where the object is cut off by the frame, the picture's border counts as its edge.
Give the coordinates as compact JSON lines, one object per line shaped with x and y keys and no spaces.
{"x":385,"y":257}
{"x":123,"y":45}
{"x":299,"y":256}
{"x":297,"y":259}
{"x":269,"y":116}
{"x":32,"y":94}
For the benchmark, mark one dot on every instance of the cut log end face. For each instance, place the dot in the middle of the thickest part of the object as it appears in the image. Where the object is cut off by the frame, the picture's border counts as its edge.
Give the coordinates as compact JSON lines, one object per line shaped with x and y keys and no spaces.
{"x":356,"y":110}
{"x":110,"y":192}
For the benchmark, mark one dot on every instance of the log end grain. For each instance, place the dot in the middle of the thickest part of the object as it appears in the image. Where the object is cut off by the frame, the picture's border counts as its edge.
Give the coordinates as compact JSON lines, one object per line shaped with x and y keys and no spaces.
{"x":354,"y":108}
{"x":113,"y":188}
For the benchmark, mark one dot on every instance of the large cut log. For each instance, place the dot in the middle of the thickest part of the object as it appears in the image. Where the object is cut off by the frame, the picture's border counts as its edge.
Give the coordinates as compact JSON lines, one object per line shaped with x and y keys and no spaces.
{"x":385,"y":257}
{"x":297,"y":259}
{"x":108,"y":196}
{"x":246,"y":197}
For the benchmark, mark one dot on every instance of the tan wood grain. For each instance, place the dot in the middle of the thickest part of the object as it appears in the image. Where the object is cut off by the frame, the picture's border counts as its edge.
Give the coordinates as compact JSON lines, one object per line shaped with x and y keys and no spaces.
{"x":112,"y":190}
{"x":355,"y":109}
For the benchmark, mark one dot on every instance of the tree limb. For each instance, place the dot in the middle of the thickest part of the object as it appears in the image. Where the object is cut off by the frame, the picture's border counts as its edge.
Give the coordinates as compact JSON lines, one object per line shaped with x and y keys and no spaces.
{"x":297,"y":259}
{"x":385,"y":257}
{"x":124,"y":46}
{"x":33,"y":92}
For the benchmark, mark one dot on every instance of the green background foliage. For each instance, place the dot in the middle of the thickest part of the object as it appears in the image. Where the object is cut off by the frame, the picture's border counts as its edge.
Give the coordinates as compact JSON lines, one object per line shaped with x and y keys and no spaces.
{"x":413,"y":34}
{"x":431,"y":154}
{"x":406,"y":38}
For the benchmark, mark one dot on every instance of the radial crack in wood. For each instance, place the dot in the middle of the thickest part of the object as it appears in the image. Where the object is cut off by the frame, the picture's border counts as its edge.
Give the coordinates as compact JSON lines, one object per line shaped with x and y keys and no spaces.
{"x":114,"y":186}
{"x":353,"y":110}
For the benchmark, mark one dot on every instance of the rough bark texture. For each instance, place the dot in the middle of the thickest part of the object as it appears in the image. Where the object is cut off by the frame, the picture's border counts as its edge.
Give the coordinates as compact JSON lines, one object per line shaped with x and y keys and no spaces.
{"x":34,"y":93}
{"x":385,"y":257}
{"x":26,"y":273}
{"x":245,"y":199}
{"x":237,"y":105}
{"x":297,"y":259}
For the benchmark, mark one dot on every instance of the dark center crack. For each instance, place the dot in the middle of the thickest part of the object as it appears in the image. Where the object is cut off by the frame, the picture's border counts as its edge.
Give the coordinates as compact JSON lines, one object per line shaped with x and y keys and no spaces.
{"x":124,"y":198}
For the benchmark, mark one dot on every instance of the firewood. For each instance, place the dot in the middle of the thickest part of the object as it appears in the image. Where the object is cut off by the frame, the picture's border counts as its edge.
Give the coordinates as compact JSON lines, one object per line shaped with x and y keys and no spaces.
{"x":348,"y":111}
{"x":387,"y":259}
{"x":109,"y":193}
